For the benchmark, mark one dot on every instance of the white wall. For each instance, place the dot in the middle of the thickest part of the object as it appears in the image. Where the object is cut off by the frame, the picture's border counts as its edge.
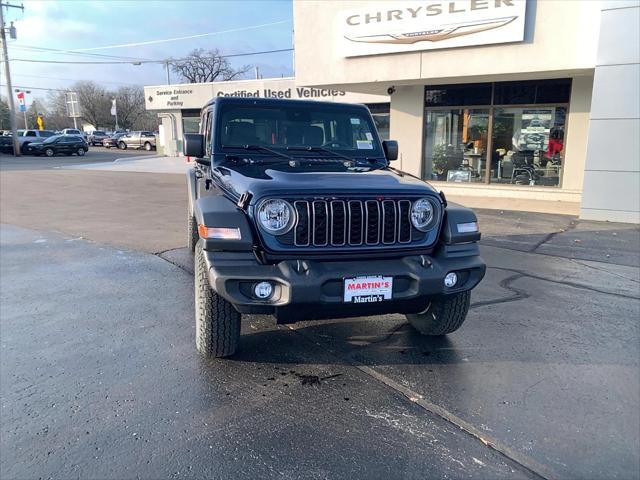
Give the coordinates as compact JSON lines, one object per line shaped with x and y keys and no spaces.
{"x":612,"y":172}
{"x":576,"y":133}
{"x":407,"y":120}
{"x":196,"y":95}
{"x":559,"y":40}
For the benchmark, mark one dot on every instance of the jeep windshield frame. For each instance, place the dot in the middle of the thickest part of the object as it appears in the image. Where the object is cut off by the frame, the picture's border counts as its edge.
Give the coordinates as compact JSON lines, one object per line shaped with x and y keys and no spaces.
{"x":304,"y":129}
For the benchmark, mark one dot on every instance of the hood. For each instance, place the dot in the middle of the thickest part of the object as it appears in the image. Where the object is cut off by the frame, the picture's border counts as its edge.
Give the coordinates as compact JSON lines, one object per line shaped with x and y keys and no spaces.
{"x":267,"y":182}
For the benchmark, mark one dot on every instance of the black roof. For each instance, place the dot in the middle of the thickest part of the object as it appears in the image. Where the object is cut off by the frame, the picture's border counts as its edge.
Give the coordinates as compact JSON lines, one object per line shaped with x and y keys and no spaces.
{"x":274,"y":101}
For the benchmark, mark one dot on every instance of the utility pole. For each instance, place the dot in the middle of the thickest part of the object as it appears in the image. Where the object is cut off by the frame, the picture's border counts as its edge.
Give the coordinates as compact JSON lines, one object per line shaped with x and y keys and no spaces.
{"x":166,"y":64}
{"x":7,"y":73}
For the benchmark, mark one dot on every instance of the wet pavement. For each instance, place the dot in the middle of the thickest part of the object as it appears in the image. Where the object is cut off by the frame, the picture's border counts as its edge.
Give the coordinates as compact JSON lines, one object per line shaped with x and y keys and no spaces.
{"x":100,"y":378}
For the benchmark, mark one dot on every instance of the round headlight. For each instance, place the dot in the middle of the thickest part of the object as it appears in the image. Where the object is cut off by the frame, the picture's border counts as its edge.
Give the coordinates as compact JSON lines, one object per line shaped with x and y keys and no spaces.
{"x":275,"y":216}
{"x":422,"y":213}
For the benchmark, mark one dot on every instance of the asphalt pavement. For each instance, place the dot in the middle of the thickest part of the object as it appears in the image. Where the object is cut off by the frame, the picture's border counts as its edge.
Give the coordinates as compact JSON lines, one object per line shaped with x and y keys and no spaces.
{"x":100,"y":378}
{"x":94,"y":155}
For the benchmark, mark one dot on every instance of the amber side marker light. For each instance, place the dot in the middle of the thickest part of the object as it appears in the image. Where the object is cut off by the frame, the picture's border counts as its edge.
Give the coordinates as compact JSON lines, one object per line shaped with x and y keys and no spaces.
{"x":220,"y":233}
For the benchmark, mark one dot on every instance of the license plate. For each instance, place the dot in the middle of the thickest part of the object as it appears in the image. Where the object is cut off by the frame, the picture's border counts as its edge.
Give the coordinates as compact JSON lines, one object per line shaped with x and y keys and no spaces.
{"x":369,"y":289}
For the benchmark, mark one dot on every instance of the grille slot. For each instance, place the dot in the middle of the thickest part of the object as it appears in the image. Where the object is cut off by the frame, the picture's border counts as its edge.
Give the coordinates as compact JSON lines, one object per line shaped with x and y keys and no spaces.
{"x":352,"y":222}
{"x":320,"y":223}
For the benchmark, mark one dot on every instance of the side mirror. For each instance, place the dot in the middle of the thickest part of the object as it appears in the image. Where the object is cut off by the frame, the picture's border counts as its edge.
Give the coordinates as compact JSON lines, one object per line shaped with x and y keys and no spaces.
{"x":194,"y":145}
{"x":390,"y":148}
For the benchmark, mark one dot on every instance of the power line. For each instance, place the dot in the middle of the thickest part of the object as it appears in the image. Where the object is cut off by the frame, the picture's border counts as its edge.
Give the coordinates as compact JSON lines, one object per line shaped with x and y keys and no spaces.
{"x":58,"y":51}
{"x":188,"y":37}
{"x":72,"y":79}
{"x":37,"y":88}
{"x":140,"y":62}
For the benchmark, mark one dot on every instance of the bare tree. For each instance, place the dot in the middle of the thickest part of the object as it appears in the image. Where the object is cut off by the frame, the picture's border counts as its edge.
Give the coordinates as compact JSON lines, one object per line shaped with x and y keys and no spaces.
{"x":206,"y":66}
{"x":95,"y":103}
{"x":55,"y":111}
{"x":4,"y":115}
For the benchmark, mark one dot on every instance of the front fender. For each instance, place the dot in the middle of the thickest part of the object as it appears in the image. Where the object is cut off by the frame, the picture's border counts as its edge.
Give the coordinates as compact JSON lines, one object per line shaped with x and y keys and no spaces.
{"x":191,"y":188}
{"x":218,"y":211}
{"x":454,"y":216}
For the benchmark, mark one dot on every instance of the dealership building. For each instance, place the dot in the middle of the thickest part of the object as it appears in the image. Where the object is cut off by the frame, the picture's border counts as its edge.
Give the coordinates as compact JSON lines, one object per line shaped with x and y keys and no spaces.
{"x":512,"y":100}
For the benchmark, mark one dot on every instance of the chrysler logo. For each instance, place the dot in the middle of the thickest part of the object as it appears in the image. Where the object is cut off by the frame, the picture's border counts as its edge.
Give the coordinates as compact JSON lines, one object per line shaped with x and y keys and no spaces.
{"x":435,"y":34}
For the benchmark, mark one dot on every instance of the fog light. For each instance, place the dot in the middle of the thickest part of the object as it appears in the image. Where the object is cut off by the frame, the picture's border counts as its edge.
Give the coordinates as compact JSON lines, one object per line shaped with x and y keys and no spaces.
{"x":450,"y":279}
{"x":263,"y":290}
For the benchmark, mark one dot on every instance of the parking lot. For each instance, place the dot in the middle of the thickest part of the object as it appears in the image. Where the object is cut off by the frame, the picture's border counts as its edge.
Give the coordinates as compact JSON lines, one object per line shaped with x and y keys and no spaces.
{"x":100,"y":377}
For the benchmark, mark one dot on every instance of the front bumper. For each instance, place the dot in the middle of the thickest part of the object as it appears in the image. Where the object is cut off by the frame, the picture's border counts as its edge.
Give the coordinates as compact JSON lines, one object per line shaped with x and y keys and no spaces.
{"x":306,"y":289}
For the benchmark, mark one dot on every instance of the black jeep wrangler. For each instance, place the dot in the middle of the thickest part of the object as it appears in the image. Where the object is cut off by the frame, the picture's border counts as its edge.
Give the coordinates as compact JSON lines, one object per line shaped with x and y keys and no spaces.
{"x":295,"y":211}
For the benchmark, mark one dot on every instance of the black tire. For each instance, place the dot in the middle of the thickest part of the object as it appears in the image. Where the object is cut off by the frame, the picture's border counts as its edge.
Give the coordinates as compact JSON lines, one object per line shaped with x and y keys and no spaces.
{"x":217,"y":322}
{"x":49,"y":152}
{"x":81,"y":152}
{"x":444,"y":315}
{"x":192,"y":231}
{"x":147,"y":146}
{"x":122,"y":146}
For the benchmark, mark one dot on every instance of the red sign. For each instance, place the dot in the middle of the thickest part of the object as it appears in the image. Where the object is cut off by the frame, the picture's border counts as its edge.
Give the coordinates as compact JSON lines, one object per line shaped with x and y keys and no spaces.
{"x":21,"y":104}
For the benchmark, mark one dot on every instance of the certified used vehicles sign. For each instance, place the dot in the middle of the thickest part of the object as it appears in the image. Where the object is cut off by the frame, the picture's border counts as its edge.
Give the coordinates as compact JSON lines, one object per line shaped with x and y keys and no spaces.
{"x":367,"y":289}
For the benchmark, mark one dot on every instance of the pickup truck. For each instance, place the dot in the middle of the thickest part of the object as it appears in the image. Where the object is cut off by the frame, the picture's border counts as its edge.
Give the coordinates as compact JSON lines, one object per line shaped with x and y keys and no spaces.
{"x":25,"y":137}
{"x":146,"y":140}
{"x":295,"y":210}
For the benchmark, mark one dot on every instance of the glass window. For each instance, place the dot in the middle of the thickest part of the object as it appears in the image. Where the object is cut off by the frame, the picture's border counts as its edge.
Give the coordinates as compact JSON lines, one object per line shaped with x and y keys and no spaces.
{"x":191,"y":124}
{"x":456,"y":145}
{"x":554,"y":91}
{"x":381,"y":118}
{"x":528,"y":145}
{"x":458,"y":95}
{"x":527,"y":142}
{"x":30,"y":133}
{"x":334,"y":127}
{"x":532,"y":92}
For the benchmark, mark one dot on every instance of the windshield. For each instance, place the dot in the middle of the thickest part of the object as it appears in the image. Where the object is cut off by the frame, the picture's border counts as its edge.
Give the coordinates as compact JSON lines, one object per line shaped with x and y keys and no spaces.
{"x":52,"y":139}
{"x":339,"y":128}
{"x":98,"y":132}
{"x":46,"y":133}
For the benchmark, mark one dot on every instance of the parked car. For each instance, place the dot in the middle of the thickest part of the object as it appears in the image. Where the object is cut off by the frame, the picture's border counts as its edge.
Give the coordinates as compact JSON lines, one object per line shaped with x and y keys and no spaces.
{"x":97,"y":137}
{"x":112,"y":141}
{"x":294,"y":210}
{"x":6,"y":144}
{"x":146,"y":140}
{"x":66,"y":144}
{"x":71,"y":131}
{"x":25,"y":137}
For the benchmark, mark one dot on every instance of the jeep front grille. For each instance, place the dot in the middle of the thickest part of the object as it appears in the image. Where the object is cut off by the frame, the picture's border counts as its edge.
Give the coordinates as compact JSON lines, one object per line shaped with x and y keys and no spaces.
{"x":352,"y":222}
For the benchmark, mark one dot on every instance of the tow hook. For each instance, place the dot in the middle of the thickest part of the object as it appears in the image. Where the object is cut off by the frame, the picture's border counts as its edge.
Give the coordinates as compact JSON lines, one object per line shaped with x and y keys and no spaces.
{"x":425,"y":261}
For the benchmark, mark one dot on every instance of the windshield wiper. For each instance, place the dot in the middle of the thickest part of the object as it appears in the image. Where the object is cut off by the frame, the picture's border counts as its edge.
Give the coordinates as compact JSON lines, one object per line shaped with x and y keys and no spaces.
{"x":260,"y":147}
{"x":321,"y":149}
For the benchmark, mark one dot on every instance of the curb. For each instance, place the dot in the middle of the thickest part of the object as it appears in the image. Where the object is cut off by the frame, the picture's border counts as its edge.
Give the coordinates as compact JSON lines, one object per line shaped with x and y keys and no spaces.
{"x":144,"y":157}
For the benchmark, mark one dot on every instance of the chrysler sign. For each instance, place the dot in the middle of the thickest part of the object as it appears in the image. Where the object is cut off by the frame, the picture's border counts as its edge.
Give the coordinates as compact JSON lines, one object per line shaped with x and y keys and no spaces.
{"x":403,"y":26}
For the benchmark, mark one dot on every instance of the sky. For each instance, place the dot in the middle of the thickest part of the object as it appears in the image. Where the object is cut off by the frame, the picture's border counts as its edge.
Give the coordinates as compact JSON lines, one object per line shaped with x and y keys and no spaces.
{"x":259,"y":25}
